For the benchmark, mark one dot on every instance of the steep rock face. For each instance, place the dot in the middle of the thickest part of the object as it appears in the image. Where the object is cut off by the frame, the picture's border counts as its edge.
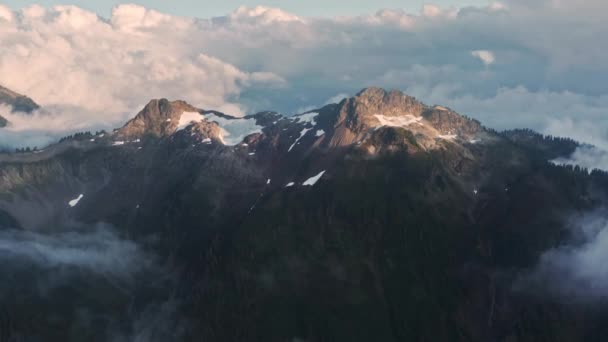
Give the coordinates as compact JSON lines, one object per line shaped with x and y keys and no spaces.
{"x":158,"y":118}
{"x":18,"y":102}
{"x":360,"y":116}
{"x":447,"y":121}
{"x":372,"y":101}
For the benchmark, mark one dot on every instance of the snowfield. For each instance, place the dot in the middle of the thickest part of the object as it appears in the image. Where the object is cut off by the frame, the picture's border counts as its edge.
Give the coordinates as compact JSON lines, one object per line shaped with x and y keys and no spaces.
{"x":187,"y":118}
{"x":398,"y":121}
{"x":313,"y":180}
{"x":234,"y":130}
{"x":308,"y":117}
{"x":75,"y":201}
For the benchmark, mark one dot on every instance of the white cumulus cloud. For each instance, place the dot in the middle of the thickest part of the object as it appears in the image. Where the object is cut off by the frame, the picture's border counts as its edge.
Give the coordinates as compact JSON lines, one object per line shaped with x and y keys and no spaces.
{"x":263,"y":15}
{"x":487,"y":57}
{"x":71,"y":60}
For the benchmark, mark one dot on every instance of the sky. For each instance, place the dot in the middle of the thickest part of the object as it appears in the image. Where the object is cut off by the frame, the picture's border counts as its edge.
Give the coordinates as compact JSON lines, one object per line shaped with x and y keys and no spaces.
{"x":514,"y":63}
{"x":197,"y":8}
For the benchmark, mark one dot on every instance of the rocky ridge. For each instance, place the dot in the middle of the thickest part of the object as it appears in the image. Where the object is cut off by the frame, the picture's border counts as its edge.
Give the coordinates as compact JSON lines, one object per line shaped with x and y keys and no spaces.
{"x":17,"y":102}
{"x":354,"y":121}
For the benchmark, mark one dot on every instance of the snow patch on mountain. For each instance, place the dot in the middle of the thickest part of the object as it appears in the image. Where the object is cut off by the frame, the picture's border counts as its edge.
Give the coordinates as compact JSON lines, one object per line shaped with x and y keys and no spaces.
{"x":308,"y":117}
{"x":302,"y":134}
{"x":187,"y":118}
{"x":313,"y":180}
{"x":75,"y":201}
{"x":234,"y":130}
{"x":398,"y":121}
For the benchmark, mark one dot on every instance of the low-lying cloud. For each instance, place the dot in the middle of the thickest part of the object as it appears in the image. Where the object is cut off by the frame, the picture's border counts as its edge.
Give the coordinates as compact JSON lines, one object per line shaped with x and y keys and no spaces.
{"x":589,"y":157}
{"x":47,"y":125}
{"x":91,"y":281}
{"x":98,"y":250}
{"x":594,"y":134}
{"x":576,"y":270}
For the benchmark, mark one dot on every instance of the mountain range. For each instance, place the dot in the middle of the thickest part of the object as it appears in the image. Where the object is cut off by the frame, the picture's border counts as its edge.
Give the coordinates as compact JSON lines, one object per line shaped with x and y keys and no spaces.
{"x":378,"y":218}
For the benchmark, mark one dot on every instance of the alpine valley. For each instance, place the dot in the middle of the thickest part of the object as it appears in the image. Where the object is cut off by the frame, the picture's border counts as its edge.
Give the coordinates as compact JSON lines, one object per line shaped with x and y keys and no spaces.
{"x":378,"y":218}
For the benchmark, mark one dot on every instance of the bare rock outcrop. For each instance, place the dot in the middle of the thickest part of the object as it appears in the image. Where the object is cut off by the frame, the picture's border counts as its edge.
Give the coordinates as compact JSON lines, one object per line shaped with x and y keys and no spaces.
{"x":158,"y":118}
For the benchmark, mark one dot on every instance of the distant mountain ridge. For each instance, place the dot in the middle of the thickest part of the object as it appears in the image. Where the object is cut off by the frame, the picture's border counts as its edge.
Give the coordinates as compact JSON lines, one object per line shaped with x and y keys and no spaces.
{"x":353,"y":121}
{"x":18,"y":102}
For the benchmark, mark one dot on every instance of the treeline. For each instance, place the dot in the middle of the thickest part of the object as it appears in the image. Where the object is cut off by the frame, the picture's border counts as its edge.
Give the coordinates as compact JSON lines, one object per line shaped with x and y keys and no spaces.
{"x":577,"y":169}
{"x":26,"y":149}
{"x":82,"y":136}
{"x":575,"y":174}
{"x":548,"y":146}
{"x":529,"y":134}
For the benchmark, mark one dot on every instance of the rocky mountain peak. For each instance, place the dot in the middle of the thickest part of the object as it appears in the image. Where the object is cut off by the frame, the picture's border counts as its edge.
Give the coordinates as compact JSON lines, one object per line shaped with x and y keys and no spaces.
{"x":374,"y":109}
{"x":368,"y":107}
{"x":158,"y":118}
{"x":392,"y":103}
{"x":374,"y":118}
